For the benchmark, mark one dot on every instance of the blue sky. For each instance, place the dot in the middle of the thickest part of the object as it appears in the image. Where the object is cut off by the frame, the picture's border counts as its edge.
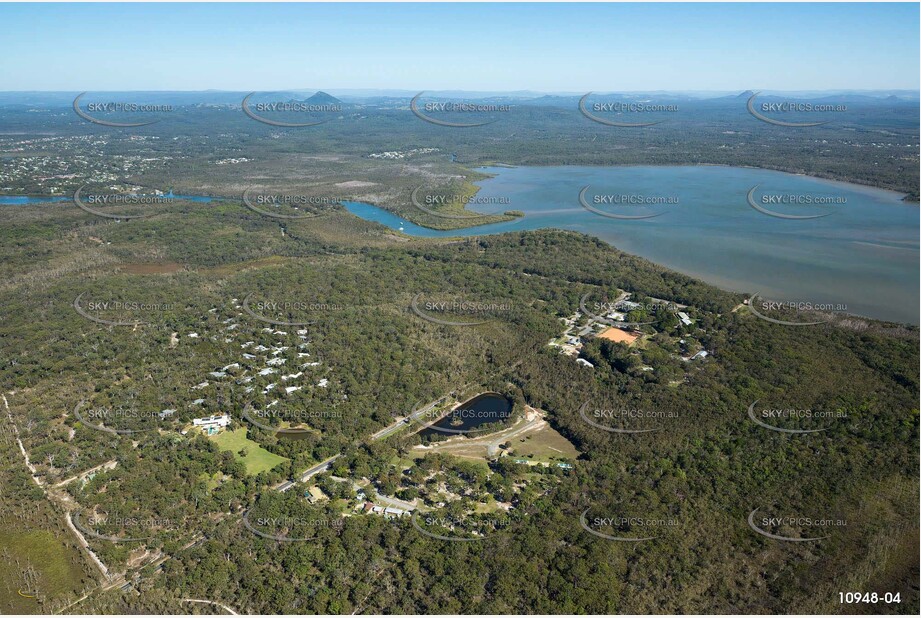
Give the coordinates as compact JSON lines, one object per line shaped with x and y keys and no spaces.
{"x":551,"y":48}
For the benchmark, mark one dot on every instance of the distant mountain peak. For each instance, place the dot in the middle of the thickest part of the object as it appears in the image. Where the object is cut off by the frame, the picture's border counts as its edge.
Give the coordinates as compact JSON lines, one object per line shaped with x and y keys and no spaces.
{"x":323,"y":98}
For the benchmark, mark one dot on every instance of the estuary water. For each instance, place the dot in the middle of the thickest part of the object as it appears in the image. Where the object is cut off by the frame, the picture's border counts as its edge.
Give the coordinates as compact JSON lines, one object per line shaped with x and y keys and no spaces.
{"x":863,"y":253}
{"x":14,"y":200}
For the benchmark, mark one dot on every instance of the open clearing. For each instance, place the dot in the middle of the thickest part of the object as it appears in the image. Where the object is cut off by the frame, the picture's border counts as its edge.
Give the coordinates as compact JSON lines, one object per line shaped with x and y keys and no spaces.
{"x":619,"y":336}
{"x":256,"y":460}
{"x":544,"y":444}
{"x":56,"y":566}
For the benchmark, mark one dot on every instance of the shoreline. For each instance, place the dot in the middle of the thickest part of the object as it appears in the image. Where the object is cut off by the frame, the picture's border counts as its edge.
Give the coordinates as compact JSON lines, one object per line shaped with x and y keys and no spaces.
{"x":902,"y":195}
{"x":424,"y":234}
{"x":857,"y":185}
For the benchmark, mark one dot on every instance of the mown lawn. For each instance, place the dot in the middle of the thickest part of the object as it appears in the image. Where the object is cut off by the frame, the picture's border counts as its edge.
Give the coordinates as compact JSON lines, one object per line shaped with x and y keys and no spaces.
{"x":257,"y":459}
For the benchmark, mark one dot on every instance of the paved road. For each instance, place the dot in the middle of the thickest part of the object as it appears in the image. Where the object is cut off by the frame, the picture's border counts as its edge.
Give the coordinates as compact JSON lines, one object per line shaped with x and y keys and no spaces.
{"x":326,"y":464}
{"x":379,"y":435}
{"x":320,"y":467}
{"x":406,"y":420}
{"x":415,"y":418}
{"x":391,"y":429}
{"x":394,"y":502}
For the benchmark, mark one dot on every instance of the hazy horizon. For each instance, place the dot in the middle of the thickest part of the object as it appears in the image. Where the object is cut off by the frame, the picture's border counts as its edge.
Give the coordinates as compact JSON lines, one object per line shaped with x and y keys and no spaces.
{"x":488,"y":47}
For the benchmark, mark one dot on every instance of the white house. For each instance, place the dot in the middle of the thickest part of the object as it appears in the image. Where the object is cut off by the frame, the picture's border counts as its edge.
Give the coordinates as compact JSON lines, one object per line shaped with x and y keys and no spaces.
{"x":386,"y":511}
{"x":212,"y":421}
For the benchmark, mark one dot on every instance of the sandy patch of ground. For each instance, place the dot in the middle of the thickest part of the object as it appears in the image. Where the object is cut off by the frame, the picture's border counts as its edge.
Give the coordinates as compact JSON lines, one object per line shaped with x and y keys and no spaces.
{"x":618,"y":335}
{"x":355,"y":184}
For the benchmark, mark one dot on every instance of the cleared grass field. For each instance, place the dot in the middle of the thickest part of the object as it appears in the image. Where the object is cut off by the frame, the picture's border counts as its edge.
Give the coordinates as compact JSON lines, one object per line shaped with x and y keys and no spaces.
{"x":57,"y":572}
{"x":256,"y":460}
{"x":545,"y":444}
